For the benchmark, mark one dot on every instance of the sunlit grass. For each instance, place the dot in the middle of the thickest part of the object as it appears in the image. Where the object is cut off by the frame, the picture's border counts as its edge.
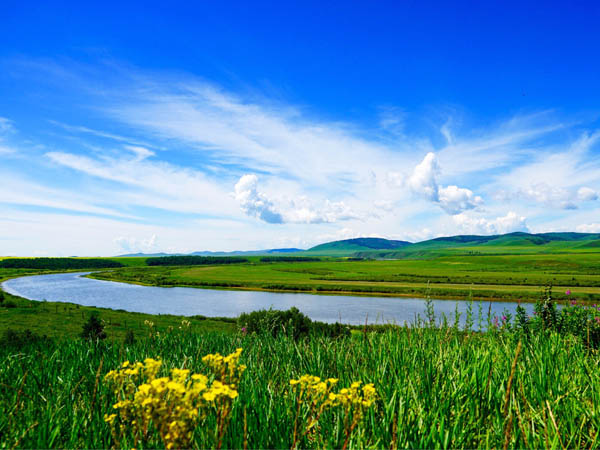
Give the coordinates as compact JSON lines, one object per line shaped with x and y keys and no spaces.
{"x":435,"y":388}
{"x":488,"y":277}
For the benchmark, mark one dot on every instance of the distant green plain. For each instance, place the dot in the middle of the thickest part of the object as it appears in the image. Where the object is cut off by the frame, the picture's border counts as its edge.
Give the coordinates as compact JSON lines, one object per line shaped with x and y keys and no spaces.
{"x":500,"y":273}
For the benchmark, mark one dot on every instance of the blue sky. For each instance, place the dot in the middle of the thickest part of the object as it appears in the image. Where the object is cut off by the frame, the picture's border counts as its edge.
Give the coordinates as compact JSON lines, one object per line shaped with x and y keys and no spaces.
{"x":137,"y":127}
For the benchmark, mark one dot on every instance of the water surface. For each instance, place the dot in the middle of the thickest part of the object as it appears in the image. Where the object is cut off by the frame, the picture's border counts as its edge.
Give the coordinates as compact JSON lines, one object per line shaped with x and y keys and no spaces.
{"x":74,"y":288}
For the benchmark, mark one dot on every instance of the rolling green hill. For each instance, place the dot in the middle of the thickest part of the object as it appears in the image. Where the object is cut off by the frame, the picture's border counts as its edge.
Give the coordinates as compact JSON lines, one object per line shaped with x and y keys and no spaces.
{"x":510,"y":243}
{"x":347,"y":247}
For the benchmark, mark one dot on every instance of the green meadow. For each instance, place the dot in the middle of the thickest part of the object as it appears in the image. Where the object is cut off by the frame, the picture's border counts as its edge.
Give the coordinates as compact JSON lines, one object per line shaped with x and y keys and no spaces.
{"x":436,"y":388}
{"x":449,"y":273}
{"x":522,"y":382}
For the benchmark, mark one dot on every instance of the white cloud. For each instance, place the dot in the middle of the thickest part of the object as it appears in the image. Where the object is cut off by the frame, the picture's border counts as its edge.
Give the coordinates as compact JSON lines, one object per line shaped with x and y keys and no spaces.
{"x":314,"y":173}
{"x":589,"y":228}
{"x":553,"y":196}
{"x":254,"y":203}
{"x":468,"y":224}
{"x":135,"y":245}
{"x":554,"y":176}
{"x":17,"y":190}
{"x":259,"y":136}
{"x":422,"y":181}
{"x":153,"y":183}
{"x":587,"y":194}
{"x":295,"y":210}
{"x":452,"y":199}
{"x":141,"y":153}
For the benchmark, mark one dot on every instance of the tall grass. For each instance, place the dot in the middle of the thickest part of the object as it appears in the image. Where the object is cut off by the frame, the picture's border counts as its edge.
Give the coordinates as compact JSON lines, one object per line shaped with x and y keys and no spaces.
{"x":438,"y":387}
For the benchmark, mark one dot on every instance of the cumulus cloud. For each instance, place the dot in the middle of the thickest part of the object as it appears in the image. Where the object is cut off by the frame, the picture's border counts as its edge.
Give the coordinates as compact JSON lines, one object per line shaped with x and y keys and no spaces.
{"x":254,"y":203}
{"x":587,"y":194}
{"x":136,"y":245}
{"x":422,"y":181}
{"x":469,"y":224}
{"x":296,"y":210}
{"x":452,"y":199}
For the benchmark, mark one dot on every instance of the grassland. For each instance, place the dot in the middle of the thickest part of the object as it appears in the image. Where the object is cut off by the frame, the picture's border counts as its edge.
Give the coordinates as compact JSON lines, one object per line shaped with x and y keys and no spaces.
{"x":449,"y":273}
{"x":437,"y":388}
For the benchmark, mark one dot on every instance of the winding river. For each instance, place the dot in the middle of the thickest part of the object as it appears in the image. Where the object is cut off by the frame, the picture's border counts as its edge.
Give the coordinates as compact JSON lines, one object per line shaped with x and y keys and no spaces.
{"x":355,"y":310}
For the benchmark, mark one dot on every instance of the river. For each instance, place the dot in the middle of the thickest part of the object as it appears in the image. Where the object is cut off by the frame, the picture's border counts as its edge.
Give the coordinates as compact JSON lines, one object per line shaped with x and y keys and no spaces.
{"x":75,"y":288}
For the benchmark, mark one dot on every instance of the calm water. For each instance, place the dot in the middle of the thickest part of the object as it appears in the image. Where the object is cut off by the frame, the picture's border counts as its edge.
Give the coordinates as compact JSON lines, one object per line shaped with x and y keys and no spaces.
{"x":74,"y":288}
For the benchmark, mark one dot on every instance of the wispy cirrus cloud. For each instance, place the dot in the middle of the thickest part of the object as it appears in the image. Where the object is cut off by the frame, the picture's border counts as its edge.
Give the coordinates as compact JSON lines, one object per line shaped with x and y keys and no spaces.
{"x":6,"y":128}
{"x":180,"y":144}
{"x":154,"y":184}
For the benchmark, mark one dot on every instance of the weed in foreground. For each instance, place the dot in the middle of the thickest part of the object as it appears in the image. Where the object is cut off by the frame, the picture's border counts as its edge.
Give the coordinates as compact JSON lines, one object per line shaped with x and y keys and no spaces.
{"x":172,"y":404}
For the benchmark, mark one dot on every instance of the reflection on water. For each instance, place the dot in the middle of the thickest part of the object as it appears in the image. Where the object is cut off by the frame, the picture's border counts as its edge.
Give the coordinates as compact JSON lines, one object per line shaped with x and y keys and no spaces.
{"x":74,"y":288}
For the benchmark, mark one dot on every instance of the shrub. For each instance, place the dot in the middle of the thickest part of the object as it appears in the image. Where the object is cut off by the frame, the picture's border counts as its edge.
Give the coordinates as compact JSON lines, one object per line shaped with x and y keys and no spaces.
{"x":93,"y":329}
{"x":8,"y":304}
{"x":19,"y":339}
{"x":1,"y":296}
{"x":291,"y":322}
{"x":330,"y":330}
{"x":576,"y":319}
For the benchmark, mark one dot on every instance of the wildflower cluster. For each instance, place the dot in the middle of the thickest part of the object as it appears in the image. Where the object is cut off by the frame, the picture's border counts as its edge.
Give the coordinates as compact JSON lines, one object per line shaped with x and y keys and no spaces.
{"x":227,"y":371}
{"x":172,"y":404}
{"x":315,"y":396}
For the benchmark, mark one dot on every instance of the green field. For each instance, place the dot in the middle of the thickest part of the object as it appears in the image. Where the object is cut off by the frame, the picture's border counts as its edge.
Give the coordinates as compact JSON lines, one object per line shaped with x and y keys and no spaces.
{"x":437,"y":388}
{"x":443,"y":274}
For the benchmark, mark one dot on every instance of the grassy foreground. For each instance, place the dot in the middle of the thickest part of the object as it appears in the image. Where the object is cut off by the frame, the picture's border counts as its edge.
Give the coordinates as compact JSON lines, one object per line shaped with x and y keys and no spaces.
{"x":436,"y":388}
{"x":500,"y":276}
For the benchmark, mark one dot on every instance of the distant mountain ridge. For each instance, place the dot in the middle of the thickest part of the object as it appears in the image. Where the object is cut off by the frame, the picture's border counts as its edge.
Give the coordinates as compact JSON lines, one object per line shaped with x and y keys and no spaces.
{"x":383,"y":248}
{"x":272,"y":251}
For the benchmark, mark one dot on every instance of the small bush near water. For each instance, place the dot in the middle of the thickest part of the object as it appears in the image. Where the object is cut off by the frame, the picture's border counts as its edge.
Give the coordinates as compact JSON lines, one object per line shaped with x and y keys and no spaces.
{"x":290,"y":323}
{"x":93,"y":329}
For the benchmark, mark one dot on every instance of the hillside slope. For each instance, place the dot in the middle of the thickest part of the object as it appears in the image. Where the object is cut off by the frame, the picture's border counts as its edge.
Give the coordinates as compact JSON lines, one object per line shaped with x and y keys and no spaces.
{"x":511,"y":243}
{"x":347,"y":247}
